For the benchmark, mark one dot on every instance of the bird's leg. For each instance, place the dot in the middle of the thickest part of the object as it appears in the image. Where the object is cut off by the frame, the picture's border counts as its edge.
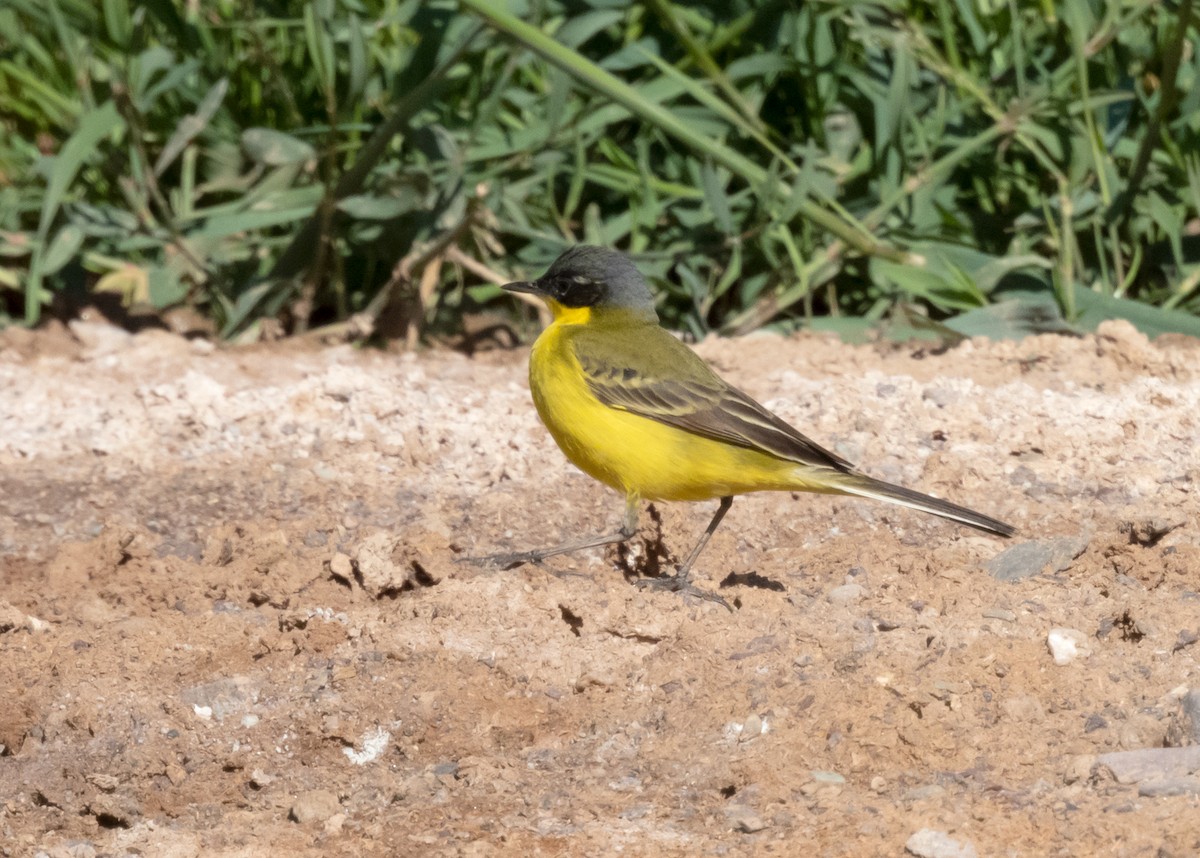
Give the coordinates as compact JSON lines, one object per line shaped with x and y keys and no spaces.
{"x":679,"y":582}
{"x":512,"y":560}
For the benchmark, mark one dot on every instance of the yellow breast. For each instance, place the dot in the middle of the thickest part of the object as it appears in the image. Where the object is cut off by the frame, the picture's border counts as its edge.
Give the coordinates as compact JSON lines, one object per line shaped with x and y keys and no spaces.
{"x":638,"y":455}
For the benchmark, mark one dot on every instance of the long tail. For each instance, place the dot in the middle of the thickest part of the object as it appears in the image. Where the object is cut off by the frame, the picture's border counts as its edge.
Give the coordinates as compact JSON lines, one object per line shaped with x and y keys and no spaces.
{"x":866,"y":487}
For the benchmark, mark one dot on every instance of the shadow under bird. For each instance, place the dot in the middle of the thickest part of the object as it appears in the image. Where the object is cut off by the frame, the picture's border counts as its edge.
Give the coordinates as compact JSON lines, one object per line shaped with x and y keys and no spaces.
{"x":639,"y":411}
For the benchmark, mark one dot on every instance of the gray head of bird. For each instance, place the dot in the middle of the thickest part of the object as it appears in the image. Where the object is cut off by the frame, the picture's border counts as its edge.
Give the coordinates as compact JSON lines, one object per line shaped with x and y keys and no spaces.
{"x":597,"y":277}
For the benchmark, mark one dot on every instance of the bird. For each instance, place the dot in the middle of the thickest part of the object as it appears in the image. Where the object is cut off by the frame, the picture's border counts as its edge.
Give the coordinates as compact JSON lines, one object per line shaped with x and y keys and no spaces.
{"x":637,"y":409}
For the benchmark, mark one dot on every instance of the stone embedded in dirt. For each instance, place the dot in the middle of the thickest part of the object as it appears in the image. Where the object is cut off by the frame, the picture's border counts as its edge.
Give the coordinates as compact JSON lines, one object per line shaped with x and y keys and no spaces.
{"x":1169,"y":787}
{"x":846,"y":594}
{"x":745,"y":820}
{"x":1066,"y":645}
{"x":1023,"y":708}
{"x":1027,"y":559}
{"x":104,"y":782}
{"x":824,"y":785}
{"x":12,"y":618}
{"x":342,"y":568}
{"x":373,"y":743}
{"x":99,"y":338}
{"x":1190,"y":703}
{"x":1146,"y":727}
{"x":315,"y":805}
{"x":1079,"y":768}
{"x":378,"y":573}
{"x":1149,"y":531}
{"x":929,"y":843}
{"x":1151,"y":764}
{"x":754,"y":727}
{"x":114,"y":810}
{"x":222,"y":697}
{"x":388,"y":565}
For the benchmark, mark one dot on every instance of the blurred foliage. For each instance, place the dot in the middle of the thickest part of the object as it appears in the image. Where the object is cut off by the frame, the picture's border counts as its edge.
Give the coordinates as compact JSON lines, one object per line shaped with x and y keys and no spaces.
{"x":377,"y":165}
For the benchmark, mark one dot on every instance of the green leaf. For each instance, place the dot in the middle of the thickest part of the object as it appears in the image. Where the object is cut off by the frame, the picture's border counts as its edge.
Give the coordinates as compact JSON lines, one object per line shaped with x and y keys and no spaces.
{"x":191,"y":125}
{"x":252,"y":299}
{"x":117,"y":21}
{"x":714,"y":193}
{"x":1023,"y":314}
{"x":95,"y":125}
{"x":248,"y":221}
{"x":369,"y":207}
{"x":358,"y":58}
{"x":320,"y":46}
{"x":580,"y":28}
{"x":1094,"y":308}
{"x":62,"y":249}
{"x":849,"y":329}
{"x":166,"y":289}
{"x":271,"y":147}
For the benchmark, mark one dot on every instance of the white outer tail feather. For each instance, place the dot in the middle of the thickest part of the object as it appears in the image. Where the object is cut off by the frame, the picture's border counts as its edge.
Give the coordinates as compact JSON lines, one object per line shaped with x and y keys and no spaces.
{"x":866,"y":487}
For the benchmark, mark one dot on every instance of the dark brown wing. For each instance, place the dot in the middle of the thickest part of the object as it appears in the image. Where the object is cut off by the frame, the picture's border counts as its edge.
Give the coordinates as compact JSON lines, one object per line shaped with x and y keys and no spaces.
{"x":656,"y":376}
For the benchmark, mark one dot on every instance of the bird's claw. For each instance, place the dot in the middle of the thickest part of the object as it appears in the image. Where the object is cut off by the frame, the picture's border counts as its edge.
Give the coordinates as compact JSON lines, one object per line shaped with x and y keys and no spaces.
{"x":681,"y":584}
{"x":507,"y":561}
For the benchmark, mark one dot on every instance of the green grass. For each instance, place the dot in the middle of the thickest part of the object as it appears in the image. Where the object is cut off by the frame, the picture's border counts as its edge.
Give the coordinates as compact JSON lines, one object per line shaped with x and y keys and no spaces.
{"x":989,"y":168}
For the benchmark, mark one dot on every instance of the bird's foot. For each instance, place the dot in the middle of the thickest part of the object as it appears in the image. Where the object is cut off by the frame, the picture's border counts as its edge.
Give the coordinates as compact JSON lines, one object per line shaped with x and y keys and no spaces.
{"x":511,"y":560}
{"x":681,"y":583}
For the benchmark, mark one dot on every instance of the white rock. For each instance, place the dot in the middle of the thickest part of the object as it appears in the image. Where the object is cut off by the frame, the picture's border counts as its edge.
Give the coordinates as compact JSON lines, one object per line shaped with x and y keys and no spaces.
{"x":928,"y":843}
{"x":1066,"y":645}
{"x":846,"y":594}
{"x":373,"y":742}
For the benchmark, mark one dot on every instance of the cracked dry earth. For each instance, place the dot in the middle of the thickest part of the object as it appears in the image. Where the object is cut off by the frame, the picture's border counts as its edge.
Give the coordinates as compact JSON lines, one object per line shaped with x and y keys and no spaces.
{"x":231,"y":622}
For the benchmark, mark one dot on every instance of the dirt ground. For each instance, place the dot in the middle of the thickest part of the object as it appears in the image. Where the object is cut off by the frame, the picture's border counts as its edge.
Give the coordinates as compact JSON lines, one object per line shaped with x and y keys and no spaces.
{"x":231,"y":620}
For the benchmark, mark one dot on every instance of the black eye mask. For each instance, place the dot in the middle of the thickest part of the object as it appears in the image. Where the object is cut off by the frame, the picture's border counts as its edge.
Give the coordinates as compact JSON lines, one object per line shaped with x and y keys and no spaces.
{"x":572,"y":293}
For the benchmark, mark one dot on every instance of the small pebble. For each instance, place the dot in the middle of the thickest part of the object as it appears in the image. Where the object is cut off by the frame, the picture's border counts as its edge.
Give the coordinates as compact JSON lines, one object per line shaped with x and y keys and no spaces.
{"x":1169,"y":787}
{"x":1079,"y":768}
{"x":846,"y":594}
{"x":373,"y":743}
{"x":1066,"y":645}
{"x":744,"y":819}
{"x":1023,"y":708}
{"x":1191,"y":711}
{"x":752,"y":729}
{"x":929,"y":792}
{"x":1151,"y":764}
{"x":1030,"y":558}
{"x":928,"y":843}
{"x":828,"y":777}
{"x":105,"y":782}
{"x":315,"y":805}
{"x":341,"y":567}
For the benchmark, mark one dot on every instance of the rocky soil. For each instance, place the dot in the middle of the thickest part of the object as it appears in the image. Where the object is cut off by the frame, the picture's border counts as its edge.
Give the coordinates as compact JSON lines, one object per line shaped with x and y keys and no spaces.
{"x":232,"y":621}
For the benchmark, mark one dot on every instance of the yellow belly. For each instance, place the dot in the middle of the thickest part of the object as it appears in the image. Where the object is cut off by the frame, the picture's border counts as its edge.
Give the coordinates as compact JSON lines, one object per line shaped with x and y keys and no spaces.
{"x":637,"y":455}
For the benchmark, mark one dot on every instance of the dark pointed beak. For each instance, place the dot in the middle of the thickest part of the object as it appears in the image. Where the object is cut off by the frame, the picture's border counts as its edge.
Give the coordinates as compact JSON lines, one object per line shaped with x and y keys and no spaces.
{"x":529,"y":286}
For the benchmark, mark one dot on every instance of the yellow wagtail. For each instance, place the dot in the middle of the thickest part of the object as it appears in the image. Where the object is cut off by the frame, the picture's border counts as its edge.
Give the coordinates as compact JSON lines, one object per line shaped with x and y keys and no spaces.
{"x":639,"y":411}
